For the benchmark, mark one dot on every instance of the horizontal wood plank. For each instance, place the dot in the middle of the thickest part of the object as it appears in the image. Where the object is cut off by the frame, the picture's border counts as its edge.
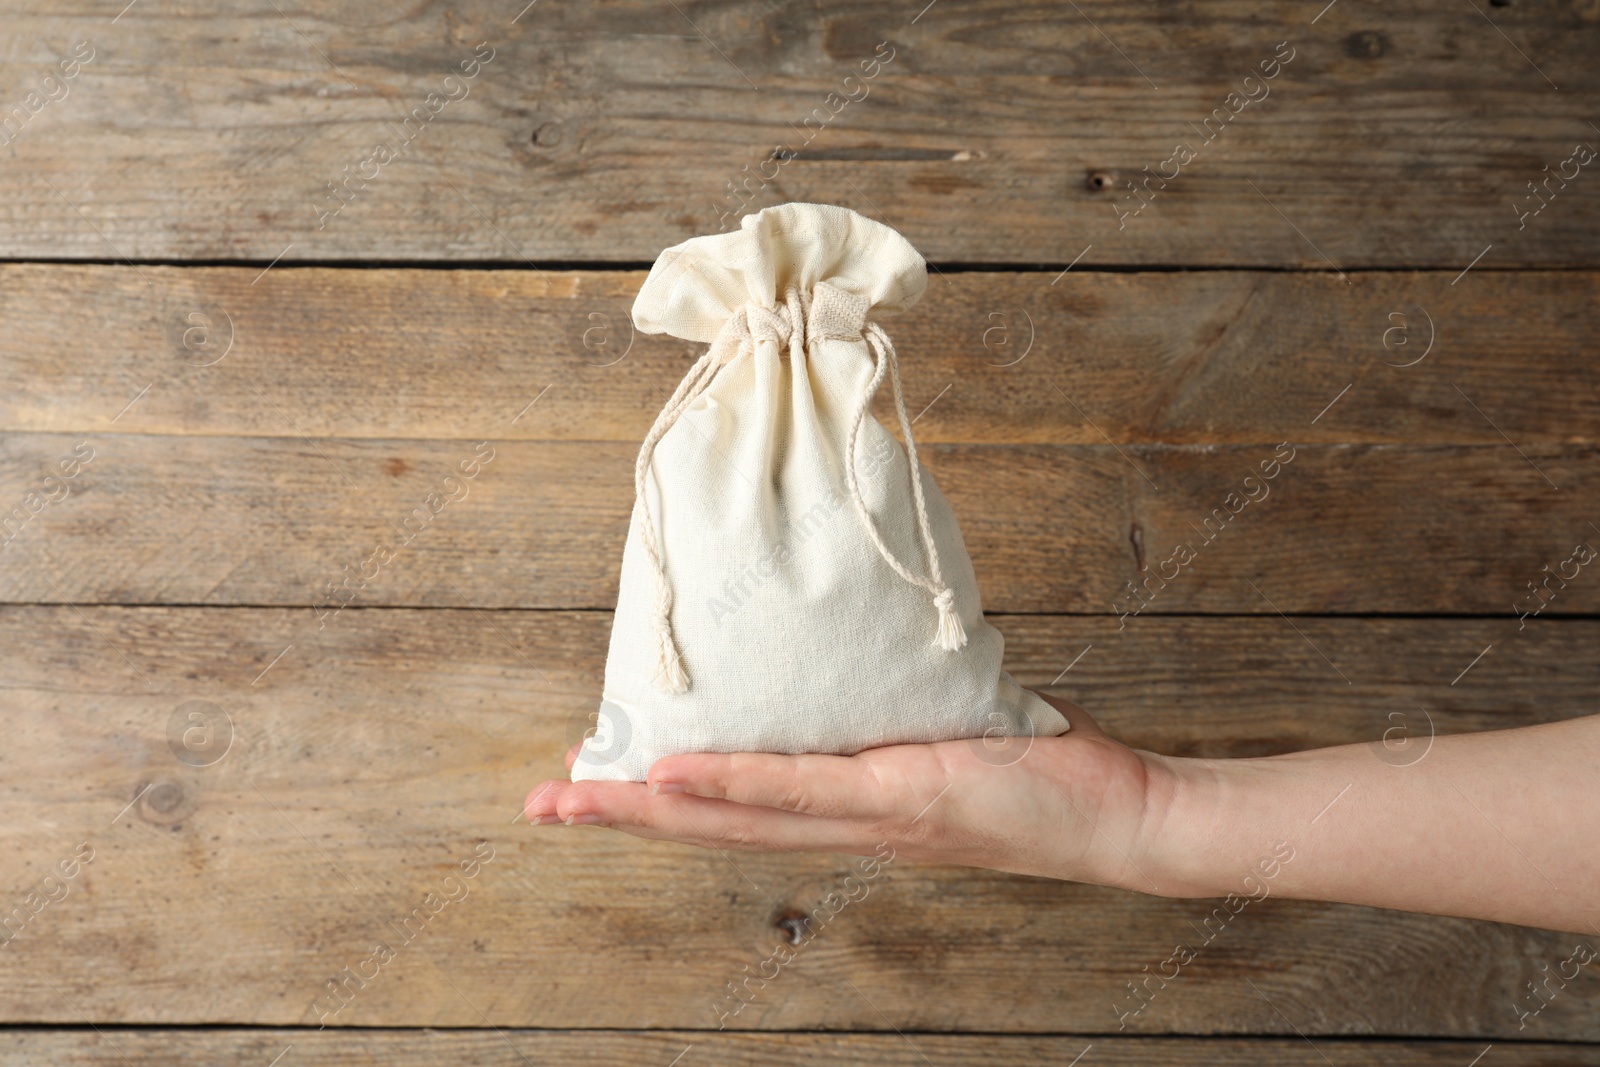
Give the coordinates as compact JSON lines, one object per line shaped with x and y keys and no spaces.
{"x":363,"y":762}
{"x":519,"y":1048}
{"x":255,"y":431}
{"x":1186,"y":358}
{"x":607,"y":132}
{"x":1053,"y":528}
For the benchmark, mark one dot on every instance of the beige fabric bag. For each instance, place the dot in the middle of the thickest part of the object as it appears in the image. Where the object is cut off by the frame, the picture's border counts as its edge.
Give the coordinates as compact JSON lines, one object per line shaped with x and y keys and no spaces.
{"x":787,"y":586}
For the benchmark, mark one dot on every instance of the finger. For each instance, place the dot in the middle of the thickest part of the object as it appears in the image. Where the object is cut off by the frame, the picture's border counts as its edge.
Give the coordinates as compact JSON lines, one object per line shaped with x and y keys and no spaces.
{"x":699,"y":820}
{"x":541,"y":801}
{"x":829,"y":787}
{"x":723,"y":824}
{"x":855,"y":845}
{"x":572,"y":755}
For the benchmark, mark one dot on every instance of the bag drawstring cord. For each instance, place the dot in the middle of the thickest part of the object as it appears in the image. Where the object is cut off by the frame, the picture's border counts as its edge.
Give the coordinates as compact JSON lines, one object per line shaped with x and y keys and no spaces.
{"x":951,"y":635}
{"x":670,"y":675}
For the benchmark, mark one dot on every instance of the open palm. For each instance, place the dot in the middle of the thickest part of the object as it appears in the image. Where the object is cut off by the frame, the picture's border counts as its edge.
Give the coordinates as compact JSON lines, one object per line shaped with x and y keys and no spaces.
{"x":1070,"y":807}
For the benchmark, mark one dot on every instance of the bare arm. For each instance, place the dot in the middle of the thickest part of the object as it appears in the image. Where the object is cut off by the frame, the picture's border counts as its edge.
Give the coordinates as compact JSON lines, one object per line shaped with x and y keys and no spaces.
{"x":1502,"y":826}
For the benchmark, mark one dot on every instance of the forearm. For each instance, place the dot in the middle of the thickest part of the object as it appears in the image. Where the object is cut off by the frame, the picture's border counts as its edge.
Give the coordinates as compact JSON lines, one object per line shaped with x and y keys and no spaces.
{"x":1502,"y":825}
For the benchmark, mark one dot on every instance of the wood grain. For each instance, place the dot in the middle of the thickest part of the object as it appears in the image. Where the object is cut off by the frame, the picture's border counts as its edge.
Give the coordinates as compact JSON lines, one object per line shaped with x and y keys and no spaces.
{"x":1210,"y":357}
{"x":370,"y":758}
{"x":607,"y":132}
{"x":1062,"y":528}
{"x":519,"y":1048}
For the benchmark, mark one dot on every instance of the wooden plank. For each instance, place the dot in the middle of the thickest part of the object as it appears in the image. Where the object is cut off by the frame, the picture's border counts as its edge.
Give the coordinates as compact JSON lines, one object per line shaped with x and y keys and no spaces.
{"x":368,"y":759}
{"x":607,"y":132}
{"x":519,"y":1048}
{"x":1183,"y":358}
{"x":229,"y":520}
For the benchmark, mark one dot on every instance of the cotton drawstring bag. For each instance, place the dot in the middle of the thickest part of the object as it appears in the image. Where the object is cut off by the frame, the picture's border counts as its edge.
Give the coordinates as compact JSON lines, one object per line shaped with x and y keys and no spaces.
{"x":787,"y":584}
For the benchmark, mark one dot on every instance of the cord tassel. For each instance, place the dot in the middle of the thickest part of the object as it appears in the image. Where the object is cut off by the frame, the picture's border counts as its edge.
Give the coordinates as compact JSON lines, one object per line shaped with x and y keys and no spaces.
{"x":790,"y":323}
{"x":951,"y":634}
{"x":670,"y":675}
{"x":737,"y":337}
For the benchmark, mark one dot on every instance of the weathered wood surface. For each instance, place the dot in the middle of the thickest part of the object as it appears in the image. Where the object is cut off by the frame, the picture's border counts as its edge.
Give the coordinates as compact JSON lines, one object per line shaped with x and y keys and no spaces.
{"x":372,"y":757}
{"x":1054,"y":528}
{"x":1393,"y":137}
{"x":1210,"y":357}
{"x":1193,"y":686}
{"x":255,"y":431}
{"x":519,"y":1048}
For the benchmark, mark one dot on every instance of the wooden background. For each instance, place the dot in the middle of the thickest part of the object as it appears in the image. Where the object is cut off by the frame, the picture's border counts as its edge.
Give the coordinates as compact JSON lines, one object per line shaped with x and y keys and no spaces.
{"x":1342,"y":268}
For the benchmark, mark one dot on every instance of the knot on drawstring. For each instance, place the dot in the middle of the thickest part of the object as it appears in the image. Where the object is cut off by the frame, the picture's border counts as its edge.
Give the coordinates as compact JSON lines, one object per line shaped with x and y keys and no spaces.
{"x":745,"y":328}
{"x":753,"y":323}
{"x":826,"y":312}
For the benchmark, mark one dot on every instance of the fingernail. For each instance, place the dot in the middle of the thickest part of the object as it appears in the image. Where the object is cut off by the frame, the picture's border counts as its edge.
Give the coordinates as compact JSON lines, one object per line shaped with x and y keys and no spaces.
{"x":657,"y":788}
{"x":543,"y":820}
{"x":582,"y":820}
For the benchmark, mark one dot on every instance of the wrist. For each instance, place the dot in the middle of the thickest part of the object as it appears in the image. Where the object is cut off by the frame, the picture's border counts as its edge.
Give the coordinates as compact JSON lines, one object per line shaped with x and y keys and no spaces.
{"x":1158,"y":858}
{"x":1209,"y":828}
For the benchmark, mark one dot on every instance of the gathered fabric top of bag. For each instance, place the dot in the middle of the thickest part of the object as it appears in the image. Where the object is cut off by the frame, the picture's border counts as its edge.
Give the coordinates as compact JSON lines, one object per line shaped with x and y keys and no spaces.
{"x":792,"y":275}
{"x":697,"y":286}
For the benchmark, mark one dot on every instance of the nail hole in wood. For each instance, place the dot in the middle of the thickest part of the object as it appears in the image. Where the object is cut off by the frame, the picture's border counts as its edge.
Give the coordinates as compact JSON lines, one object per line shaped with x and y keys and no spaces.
{"x":793,"y":925}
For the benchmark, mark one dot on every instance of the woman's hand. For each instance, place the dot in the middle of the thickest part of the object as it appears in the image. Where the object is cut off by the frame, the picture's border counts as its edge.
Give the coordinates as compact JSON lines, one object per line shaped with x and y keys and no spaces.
{"x":1080,"y":806}
{"x":1499,"y":825}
